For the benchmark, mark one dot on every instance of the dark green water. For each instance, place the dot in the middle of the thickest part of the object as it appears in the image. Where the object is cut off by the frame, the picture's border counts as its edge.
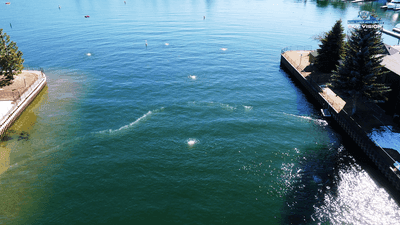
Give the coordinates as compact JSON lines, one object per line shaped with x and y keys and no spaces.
{"x":201,"y":126}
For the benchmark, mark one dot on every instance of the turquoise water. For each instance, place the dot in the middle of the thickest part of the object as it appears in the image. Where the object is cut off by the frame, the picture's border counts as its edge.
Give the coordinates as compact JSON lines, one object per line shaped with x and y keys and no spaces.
{"x":201,"y":126}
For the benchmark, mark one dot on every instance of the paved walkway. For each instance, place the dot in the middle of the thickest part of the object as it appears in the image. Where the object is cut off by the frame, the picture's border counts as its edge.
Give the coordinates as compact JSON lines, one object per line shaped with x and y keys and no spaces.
{"x":336,"y":102}
{"x":300,"y":59}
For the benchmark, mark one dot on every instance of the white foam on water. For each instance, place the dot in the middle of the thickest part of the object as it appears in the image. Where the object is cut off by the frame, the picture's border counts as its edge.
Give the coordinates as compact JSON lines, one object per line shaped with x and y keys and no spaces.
{"x":166,"y":44}
{"x":320,"y":122}
{"x":136,"y":121}
{"x":142,"y":118}
{"x":248,"y":108}
{"x":88,"y":54}
{"x":228,"y":107}
{"x":214,"y":105}
{"x":46,"y":152}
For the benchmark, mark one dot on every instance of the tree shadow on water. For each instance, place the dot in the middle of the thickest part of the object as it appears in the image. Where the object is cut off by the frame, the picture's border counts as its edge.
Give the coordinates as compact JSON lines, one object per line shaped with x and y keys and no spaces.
{"x":315,"y":177}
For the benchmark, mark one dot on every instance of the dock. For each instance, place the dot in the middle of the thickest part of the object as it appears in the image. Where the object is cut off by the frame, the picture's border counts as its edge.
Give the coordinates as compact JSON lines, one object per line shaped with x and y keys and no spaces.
{"x":396,"y":35}
{"x":397,"y":30}
{"x":14,"y":99}
{"x":358,"y":126}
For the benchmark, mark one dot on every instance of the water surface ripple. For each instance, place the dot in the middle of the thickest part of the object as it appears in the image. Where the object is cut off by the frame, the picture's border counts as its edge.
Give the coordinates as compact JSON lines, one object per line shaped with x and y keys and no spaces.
{"x":159,"y":112}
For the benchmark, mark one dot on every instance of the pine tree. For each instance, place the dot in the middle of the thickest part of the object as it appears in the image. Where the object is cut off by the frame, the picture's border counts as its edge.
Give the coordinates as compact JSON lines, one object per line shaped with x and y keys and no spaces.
{"x":331,"y":48}
{"x":10,"y":60}
{"x":357,"y":76}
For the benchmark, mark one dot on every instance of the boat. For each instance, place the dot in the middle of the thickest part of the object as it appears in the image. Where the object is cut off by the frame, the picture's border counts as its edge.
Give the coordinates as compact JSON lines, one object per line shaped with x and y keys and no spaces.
{"x":396,"y":28}
{"x":7,"y":3}
{"x":394,"y":4}
{"x":397,"y":165}
{"x":326,"y":113}
{"x":87,"y":16}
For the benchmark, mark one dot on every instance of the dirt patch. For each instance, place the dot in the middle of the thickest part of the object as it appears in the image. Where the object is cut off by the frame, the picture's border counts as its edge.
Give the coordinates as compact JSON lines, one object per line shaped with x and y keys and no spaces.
{"x":20,"y":84}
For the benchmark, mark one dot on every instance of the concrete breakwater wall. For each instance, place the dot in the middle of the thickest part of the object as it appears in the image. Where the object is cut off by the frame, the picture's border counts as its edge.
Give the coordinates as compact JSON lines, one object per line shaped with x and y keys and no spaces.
{"x":22,"y":102}
{"x":376,"y":153}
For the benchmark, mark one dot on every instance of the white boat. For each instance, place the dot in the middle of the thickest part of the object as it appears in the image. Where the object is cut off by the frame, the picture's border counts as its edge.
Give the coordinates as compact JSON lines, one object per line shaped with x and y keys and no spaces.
{"x":325,"y":113}
{"x":394,"y":4}
{"x":396,"y":28}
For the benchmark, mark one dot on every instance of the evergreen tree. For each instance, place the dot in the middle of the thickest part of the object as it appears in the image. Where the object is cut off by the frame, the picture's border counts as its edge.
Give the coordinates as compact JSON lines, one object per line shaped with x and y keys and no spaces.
{"x":10,"y":60}
{"x":358,"y":75}
{"x":331,"y":48}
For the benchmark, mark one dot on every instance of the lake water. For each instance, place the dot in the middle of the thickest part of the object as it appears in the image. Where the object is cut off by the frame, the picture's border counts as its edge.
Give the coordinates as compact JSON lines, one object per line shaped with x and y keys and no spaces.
{"x":198,"y":126}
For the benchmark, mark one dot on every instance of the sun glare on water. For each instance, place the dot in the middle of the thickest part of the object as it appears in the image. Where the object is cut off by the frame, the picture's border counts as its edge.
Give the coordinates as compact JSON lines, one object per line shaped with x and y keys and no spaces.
{"x":192,"y":142}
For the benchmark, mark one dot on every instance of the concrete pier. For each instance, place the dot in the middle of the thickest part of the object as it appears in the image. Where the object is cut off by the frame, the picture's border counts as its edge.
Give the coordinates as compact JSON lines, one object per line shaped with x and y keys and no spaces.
{"x":13,"y":103}
{"x":354,"y":127}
